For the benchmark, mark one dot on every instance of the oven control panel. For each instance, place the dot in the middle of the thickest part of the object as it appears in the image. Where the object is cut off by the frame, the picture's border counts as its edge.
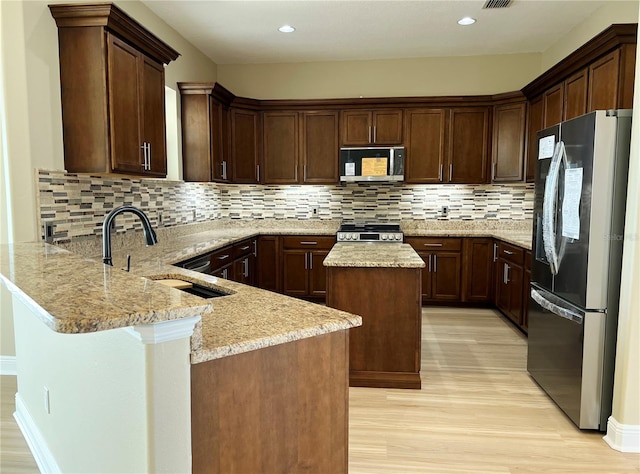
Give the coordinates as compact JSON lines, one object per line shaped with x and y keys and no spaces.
{"x":391,"y":237}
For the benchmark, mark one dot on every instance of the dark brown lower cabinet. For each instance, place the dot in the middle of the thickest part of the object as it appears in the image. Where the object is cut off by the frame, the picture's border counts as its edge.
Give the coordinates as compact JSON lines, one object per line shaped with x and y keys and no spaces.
{"x":303,"y":274}
{"x":278,"y":409}
{"x":385,"y":350}
{"x":442,"y":275}
{"x":509,"y":281}
{"x":477,"y":270}
{"x":269,"y":265}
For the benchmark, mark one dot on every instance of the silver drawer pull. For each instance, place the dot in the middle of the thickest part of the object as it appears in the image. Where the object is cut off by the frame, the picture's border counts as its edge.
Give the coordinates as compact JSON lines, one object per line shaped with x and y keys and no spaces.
{"x":244,"y":248}
{"x":309,"y":243}
{"x":222,"y":257}
{"x":433,"y":245}
{"x":508,"y":252}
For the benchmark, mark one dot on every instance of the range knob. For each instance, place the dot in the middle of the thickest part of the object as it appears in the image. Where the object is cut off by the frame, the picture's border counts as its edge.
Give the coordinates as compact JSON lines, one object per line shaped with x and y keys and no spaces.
{"x":340,"y":236}
{"x":384,"y":236}
{"x":353,"y":236}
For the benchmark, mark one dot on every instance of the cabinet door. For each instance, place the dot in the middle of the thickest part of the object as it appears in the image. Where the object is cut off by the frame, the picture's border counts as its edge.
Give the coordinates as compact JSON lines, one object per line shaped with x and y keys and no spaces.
{"x":244,"y":146}
{"x":445,"y":274}
{"x":153,"y":117}
{"x":604,"y":81}
{"x":219,"y":133}
{"x":125,"y":113}
{"x":502,"y":287}
{"x":425,"y":135}
{"x":320,"y":147}
{"x":356,"y":127}
{"x":426,"y":276}
{"x":468,"y":145}
{"x":477,"y":269}
{"x":268,"y":264}
{"x":508,"y":142}
{"x":317,"y":273}
{"x":575,"y":95}
{"x":280,"y":147}
{"x":553,"y":103}
{"x":196,"y":137}
{"x":295,"y":272}
{"x":227,"y":272}
{"x":387,"y":127}
{"x":242,"y":270}
{"x":515,"y":280}
{"x":535,"y":123}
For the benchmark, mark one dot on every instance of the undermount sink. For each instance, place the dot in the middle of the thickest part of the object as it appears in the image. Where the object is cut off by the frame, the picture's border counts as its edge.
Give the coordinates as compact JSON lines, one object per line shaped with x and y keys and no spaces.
{"x":193,"y":288}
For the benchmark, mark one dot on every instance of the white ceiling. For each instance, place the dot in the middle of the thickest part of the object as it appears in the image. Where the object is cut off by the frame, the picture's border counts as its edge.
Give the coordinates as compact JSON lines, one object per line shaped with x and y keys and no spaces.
{"x":245,"y":32}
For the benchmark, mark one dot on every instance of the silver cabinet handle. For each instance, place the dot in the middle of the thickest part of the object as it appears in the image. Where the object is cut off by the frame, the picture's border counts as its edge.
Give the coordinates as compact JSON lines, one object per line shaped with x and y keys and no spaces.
{"x":225,"y":273}
{"x":370,"y":134}
{"x":246,"y":247}
{"x":258,"y":173}
{"x":374,"y":133}
{"x":308,"y":242}
{"x":310,"y":261}
{"x":506,"y":274}
{"x":144,"y":156}
{"x":508,"y":252}
{"x":296,"y":172}
{"x":440,"y":174}
{"x":148,"y":156}
{"x":304,"y":172}
{"x":495,"y":170}
{"x":435,"y":263}
{"x":429,"y":258}
{"x":223,"y":257}
{"x":255,"y":248}
{"x":245,"y":268}
{"x":306,"y":265}
{"x":450,"y":171}
{"x":433,"y":245}
{"x":224,"y":169}
{"x":495,"y":252}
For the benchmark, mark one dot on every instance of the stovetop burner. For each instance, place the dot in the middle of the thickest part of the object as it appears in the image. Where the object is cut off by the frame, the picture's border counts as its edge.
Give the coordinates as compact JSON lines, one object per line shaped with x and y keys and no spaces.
{"x":369,"y":232}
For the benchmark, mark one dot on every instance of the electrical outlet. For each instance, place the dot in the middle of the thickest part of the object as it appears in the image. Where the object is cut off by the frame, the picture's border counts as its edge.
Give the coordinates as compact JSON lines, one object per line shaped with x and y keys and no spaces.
{"x":47,"y":402}
{"x":314,"y":211}
{"x":194,"y":215}
{"x":445,"y":211}
{"x":159,"y":218}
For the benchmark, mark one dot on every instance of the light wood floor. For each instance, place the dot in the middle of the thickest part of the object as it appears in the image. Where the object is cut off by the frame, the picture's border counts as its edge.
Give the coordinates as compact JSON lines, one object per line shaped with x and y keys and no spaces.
{"x":478,"y":411}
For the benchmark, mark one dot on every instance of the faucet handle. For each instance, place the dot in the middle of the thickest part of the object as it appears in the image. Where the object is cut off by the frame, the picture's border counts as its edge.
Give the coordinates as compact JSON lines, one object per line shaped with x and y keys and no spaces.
{"x":128,"y":264}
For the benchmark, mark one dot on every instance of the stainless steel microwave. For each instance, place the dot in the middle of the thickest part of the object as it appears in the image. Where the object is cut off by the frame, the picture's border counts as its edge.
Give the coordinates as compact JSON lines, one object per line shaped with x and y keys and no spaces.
{"x":372,"y":164}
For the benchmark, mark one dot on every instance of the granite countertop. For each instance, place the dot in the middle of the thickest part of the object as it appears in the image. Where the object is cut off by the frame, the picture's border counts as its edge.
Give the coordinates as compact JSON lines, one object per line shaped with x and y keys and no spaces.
{"x":372,"y":255}
{"x":74,"y":294}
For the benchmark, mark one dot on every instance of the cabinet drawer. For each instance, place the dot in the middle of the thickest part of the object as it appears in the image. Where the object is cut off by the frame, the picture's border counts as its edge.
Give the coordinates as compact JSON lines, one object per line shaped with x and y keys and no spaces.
{"x":511,"y":253}
{"x":434,"y":243}
{"x":243,"y":248}
{"x":221,"y":257}
{"x":309,"y":242}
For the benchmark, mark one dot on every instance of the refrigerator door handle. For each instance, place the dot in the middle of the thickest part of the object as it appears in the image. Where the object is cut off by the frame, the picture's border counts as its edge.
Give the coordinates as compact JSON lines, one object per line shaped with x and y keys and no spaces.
{"x":555,"y":309}
{"x":549,"y":209}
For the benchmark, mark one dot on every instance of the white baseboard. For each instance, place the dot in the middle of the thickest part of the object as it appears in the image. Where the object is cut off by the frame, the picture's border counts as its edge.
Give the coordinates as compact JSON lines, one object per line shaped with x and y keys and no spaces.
{"x":37,"y":444}
{"x":8,"y":365}
{"x":623,"y":438}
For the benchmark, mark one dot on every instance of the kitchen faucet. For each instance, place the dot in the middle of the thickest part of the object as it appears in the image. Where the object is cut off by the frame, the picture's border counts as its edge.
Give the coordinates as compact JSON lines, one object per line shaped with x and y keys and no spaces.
{"x":149,"y":234}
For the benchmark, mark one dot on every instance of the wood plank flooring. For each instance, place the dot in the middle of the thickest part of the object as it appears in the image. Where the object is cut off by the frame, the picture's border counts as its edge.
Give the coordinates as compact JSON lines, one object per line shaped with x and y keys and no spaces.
{"x":478,"y":411}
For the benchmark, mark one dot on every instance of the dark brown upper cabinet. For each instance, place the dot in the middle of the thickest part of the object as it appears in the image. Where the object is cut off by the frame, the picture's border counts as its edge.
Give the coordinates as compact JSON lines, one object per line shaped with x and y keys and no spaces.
{"x":535,"y":123}
{"x":245,"y":138}
{"x":371,"y":127}
{"x":280,"y":141}
{"x":320,"y":146}
{"x":553,"y":103}
{"x":611,"y":80}
{"x":468,"y":146}
{"x":508,"y":142}
{"x":424,"y":131}
{"x":112,"y":91}
{"x":575,"y":95}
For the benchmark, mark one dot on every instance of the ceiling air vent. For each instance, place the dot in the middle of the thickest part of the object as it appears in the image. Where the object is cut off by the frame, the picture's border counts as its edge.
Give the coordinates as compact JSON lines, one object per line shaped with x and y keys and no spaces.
{"x":497,"y":3}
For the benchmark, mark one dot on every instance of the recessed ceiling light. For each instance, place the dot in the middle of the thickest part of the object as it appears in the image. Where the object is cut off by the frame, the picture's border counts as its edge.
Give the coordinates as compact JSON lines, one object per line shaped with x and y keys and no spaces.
{"x":467,"y":20}
{"x":286,"y":29}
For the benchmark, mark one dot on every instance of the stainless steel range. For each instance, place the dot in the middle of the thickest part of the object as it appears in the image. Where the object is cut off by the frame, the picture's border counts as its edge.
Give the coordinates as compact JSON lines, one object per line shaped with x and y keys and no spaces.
{"x":361,"y":232}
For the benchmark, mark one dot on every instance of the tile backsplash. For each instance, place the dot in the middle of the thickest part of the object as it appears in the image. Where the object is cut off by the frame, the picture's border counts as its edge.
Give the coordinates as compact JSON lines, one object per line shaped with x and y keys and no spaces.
{"x":76,"y":204}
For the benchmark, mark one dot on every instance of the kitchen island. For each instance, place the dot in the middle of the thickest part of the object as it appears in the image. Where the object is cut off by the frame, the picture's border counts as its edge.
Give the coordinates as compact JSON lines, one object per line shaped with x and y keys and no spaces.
{"x":382,"y":283}
{"x":118,"y":373}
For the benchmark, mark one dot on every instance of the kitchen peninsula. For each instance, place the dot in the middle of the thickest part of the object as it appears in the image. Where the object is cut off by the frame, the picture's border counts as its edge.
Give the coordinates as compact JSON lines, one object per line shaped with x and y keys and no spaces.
{"x":382,"y":283}
{"x":175,"y":381}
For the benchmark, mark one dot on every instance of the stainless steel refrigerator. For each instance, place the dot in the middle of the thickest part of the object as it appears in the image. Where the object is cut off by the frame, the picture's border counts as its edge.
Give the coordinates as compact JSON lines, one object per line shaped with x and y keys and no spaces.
{"x":578,"y":229}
